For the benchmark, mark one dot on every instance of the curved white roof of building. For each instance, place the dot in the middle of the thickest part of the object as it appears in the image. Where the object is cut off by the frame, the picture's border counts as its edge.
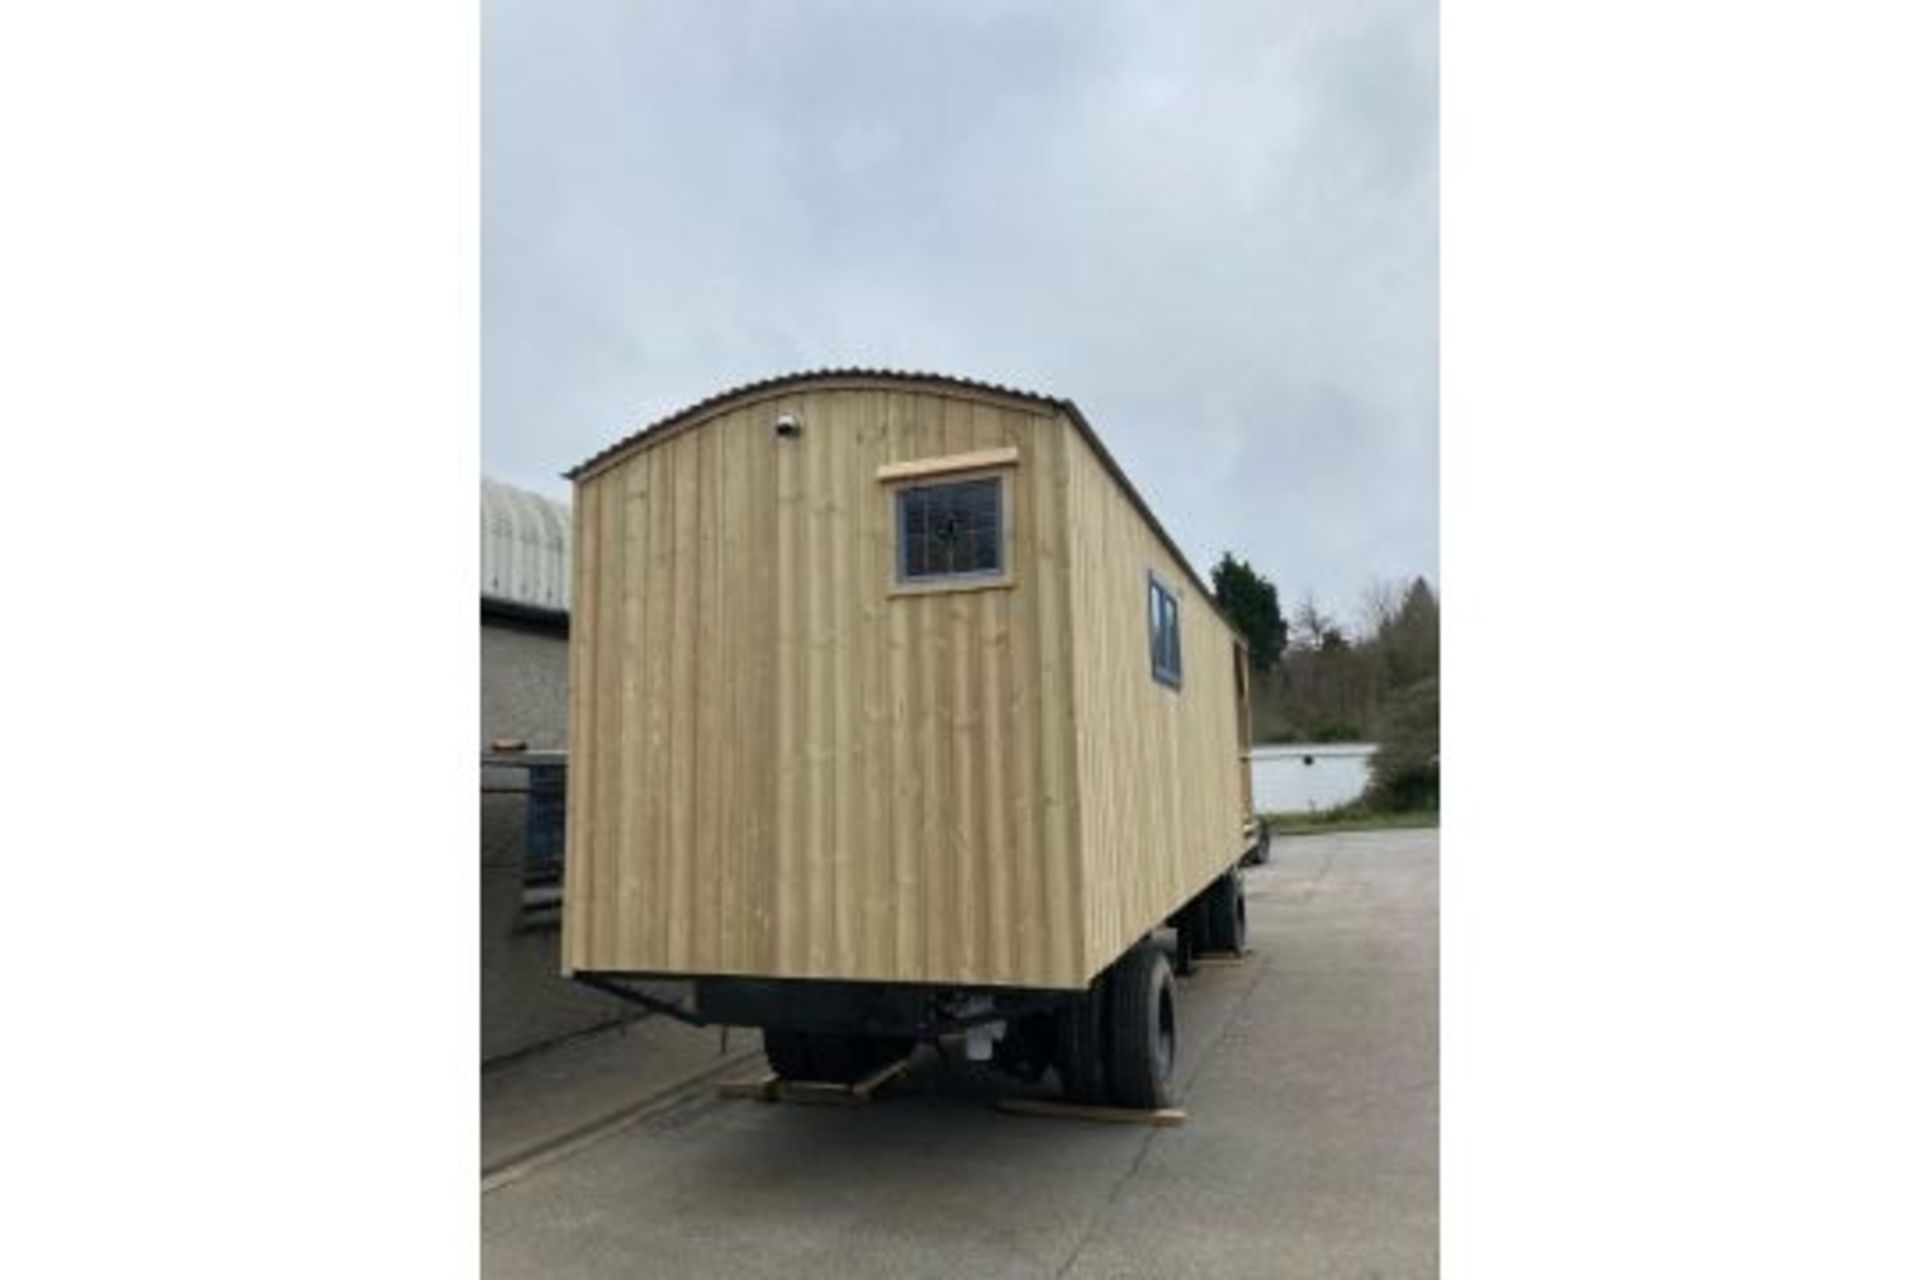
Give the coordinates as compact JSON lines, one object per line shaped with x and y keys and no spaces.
{"x":523,"y":547}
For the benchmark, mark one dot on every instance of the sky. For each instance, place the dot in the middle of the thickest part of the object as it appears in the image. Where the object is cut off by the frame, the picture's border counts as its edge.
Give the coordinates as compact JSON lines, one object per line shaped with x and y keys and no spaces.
{"x":1214,"y":227}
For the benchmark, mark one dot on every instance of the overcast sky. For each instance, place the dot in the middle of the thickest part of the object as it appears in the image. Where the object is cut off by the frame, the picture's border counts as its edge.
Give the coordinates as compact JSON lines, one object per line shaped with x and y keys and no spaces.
{"x":1213,"y":226}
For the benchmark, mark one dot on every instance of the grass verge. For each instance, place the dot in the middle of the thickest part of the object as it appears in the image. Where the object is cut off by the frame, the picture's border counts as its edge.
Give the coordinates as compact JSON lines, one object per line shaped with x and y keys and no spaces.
{"x":1346,"y":818}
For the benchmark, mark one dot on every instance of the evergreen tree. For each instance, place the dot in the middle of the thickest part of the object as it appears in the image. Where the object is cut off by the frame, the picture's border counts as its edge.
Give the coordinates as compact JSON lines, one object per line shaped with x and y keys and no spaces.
{"x":1254,"y":606}
{"x":1409,"y":639}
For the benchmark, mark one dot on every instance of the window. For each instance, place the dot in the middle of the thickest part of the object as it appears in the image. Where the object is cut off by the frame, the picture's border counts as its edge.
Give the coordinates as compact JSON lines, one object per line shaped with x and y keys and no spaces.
{"x":951,"y":530}
{"x":1163,"y":631}
{"x":546,"y":825}
{"x":529,"y":828}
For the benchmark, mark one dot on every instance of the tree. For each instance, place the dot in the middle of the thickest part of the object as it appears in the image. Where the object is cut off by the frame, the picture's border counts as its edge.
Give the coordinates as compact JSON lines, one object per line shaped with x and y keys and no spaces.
{"x":1312,"y":624}
{"x":1409,"y":637}
{"x":1405,"y":771}
{"x":1380,"y":605}
{"x":1254,"y":606}
{"x":1377,"y":680}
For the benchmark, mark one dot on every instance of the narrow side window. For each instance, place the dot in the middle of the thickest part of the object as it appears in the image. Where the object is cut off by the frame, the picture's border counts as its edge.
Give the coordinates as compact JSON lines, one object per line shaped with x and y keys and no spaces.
{"x":1163,"y":631}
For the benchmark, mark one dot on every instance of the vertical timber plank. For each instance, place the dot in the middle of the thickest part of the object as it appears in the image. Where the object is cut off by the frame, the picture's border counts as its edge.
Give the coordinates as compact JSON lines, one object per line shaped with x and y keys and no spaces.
{"x":844,"y":835}
{"x":610,"y":519}
{"x":788,"y":838}
{"x":656,"y":653}
{"x":576,"y":901}
{"x":708,"y":696}
{"x":628,"y":935}
{"x":816,"y":719}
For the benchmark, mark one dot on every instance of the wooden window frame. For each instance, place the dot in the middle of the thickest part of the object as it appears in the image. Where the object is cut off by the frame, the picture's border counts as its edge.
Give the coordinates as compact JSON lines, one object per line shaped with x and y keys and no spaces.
{"x":932,"y":473}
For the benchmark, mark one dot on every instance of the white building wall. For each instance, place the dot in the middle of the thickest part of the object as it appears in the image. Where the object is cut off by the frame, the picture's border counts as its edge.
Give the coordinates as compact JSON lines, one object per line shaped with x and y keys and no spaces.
{"x":1300,"y":777}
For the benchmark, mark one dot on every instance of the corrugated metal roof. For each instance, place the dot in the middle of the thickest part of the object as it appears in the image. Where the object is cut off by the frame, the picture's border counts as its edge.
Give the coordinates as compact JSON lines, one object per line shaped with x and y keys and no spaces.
{"x":523,"y":547}
{"x":764,"y":385}
{"x":694,"y":412}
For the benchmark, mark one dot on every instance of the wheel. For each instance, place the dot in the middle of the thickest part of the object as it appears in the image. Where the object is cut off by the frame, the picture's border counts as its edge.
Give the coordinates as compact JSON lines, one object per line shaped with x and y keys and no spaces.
{"x":787,"y":1054}
{"x":1079,"y":1057}
{"x":1029,"y":1047}
{"x":1141,"y":1032}
{"x":832,"y":1057}
{"x":1189,"y":938}
{"x":1226,"y":911}
{"x":843,"y":1057}
{"x":884,"y":1051}
{"x":1191,"y":935}
{"x":1262,"y":850}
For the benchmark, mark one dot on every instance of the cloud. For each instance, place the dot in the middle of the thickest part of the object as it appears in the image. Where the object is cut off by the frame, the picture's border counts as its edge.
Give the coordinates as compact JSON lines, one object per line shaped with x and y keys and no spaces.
{"x":1214,"y":227}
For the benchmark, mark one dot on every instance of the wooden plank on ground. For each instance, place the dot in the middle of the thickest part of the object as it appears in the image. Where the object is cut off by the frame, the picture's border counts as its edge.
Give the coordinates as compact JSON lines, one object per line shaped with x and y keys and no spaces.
{"x":868,"y":1087}
{"x":771,"y":1088}
{"x":760,"y":1088}
{"x":1162,"y":1117}
{"x":819,"y":1093}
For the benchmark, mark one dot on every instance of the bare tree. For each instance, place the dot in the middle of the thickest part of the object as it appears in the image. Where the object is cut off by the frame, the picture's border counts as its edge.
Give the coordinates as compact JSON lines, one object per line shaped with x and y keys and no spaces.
{"x":1310,"y":624}
{"x":1380,"y":605}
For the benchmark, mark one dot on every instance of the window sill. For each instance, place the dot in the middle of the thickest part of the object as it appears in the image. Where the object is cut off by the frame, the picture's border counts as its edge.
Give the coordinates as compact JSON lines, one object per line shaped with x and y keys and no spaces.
{"x":949,"y":586}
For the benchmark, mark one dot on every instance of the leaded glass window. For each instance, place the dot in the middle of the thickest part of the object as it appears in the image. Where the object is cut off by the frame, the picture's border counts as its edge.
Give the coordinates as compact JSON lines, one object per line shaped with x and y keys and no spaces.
{"x":951,"y":530}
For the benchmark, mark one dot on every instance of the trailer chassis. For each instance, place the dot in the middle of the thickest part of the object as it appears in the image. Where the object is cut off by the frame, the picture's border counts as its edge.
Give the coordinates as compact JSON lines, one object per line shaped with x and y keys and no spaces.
{"x":1110,"y":1042}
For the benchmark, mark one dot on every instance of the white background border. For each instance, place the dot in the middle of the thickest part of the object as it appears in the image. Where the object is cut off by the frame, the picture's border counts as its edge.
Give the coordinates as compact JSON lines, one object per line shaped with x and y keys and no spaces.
{"x":240,"y":294}
{"x":1679,"y":352}
{"x":239,"y":255}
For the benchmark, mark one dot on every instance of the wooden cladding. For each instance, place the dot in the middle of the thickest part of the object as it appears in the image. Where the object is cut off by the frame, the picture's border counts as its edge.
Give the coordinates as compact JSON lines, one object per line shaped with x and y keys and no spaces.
{"x":789,"y":770}
{"x":1159,"y":771}
{"x":783,"y":764}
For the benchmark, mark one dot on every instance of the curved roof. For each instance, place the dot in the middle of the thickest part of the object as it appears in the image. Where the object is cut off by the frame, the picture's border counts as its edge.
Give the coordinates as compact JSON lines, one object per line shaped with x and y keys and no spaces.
{"x":935,"y":382}
{"x":788,"y":381}
{"x":523,"y":547}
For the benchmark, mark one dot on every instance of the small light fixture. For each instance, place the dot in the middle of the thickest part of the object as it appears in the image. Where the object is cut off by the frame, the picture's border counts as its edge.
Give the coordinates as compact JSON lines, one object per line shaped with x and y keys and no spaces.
{"x":786,"y":425}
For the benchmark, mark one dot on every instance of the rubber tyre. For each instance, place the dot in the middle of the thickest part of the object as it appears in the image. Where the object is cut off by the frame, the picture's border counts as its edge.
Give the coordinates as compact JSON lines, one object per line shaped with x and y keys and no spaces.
{"x":1142,"y":1034}
{"x":1226,"y":911}
{"x":1187,"y":942}
{"x":837,"y":1058}
{"x":789,"y":1053}
{"x":884,"y":1051}
{"x":841,"y":1057}
{"x":831,"y":1057}
{"x":1080,"y":1057}
{"x":1262,"y":851}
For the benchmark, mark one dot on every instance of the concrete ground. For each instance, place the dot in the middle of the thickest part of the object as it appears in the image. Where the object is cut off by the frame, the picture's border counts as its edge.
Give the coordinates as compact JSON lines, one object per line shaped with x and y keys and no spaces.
{"x":1309,"y":1071}
{"x":544,"y":1098}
